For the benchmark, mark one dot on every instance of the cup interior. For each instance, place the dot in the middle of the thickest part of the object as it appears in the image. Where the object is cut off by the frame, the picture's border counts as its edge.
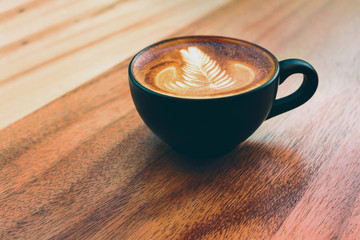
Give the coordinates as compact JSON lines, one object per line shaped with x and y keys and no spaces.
{"x":249,"y":53}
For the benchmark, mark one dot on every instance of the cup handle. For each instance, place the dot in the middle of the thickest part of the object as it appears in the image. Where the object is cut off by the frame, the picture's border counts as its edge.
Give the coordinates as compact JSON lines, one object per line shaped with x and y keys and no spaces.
{"x":301,"y":95}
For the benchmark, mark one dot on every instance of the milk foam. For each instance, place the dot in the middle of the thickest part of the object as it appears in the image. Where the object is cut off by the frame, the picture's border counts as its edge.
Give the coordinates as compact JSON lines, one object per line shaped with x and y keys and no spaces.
{"x":199,"y":74}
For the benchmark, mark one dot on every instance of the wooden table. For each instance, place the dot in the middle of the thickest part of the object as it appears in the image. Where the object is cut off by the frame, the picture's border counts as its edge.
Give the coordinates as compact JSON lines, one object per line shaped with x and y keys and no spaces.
{"x":77,"y":162}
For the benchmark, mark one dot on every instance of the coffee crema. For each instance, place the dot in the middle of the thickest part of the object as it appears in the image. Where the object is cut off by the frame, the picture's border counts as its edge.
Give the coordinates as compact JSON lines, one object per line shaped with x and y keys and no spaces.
{"x":207,"y":67}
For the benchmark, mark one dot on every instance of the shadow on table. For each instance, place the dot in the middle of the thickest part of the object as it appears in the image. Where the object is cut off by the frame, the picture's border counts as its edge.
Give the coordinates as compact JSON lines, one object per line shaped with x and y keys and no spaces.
{"x":256,"y":185}
{"x":159,"y":194}
{"x":247,"y":155}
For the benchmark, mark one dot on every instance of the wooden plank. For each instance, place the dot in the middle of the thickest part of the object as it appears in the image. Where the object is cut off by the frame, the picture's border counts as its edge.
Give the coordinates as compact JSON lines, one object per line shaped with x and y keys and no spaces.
{"x":65,"y":50}
{"x":7,"y":6}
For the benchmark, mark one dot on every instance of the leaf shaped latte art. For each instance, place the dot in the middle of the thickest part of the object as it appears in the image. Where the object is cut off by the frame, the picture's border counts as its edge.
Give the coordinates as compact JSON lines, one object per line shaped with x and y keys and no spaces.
{"x":200,"y":70}
{"x":199,"y":75}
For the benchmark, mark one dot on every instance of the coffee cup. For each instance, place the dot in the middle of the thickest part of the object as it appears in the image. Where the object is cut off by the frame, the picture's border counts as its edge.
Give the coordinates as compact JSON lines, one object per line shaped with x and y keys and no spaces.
{"x":204,"y":95}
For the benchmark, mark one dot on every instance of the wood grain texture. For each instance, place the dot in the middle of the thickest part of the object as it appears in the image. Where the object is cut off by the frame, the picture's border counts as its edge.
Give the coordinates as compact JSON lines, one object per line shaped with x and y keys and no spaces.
{"x":51,"y":47}
{"x":84,"y":166}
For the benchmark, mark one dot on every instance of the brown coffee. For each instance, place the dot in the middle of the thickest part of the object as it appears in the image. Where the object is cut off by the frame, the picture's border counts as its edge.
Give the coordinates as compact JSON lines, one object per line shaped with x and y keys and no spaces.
{"x":203,"y":67}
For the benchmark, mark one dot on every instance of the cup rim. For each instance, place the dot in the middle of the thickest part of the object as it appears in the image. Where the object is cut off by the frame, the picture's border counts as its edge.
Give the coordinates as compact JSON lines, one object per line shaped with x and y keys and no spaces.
{"x":269,"y":82}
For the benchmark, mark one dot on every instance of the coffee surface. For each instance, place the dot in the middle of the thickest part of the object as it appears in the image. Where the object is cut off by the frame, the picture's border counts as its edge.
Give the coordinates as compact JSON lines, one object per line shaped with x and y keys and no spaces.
{"x":203,"y":67}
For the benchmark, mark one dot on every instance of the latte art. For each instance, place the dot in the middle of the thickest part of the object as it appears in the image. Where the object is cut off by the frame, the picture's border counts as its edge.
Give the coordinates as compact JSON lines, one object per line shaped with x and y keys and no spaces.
{"x":201,"y":70}
{"x":200,"y":73}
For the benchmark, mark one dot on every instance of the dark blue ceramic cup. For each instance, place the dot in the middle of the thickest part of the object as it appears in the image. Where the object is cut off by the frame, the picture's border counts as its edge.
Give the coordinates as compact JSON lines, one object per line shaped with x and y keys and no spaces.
{"x":211,"y":127}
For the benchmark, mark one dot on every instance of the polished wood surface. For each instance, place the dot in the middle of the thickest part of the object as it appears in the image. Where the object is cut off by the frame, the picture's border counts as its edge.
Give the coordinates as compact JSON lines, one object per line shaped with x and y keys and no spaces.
{"x":77,"y":162}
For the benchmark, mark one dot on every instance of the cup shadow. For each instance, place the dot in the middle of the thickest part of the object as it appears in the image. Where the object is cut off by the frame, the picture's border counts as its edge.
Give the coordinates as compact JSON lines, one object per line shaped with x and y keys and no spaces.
{"x":248,"y":155}
{"x":256,"y":184}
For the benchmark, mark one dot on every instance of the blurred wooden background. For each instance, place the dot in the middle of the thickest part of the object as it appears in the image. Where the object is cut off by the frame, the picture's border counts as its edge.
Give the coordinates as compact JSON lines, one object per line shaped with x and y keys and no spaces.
{"x":76,"y":161}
